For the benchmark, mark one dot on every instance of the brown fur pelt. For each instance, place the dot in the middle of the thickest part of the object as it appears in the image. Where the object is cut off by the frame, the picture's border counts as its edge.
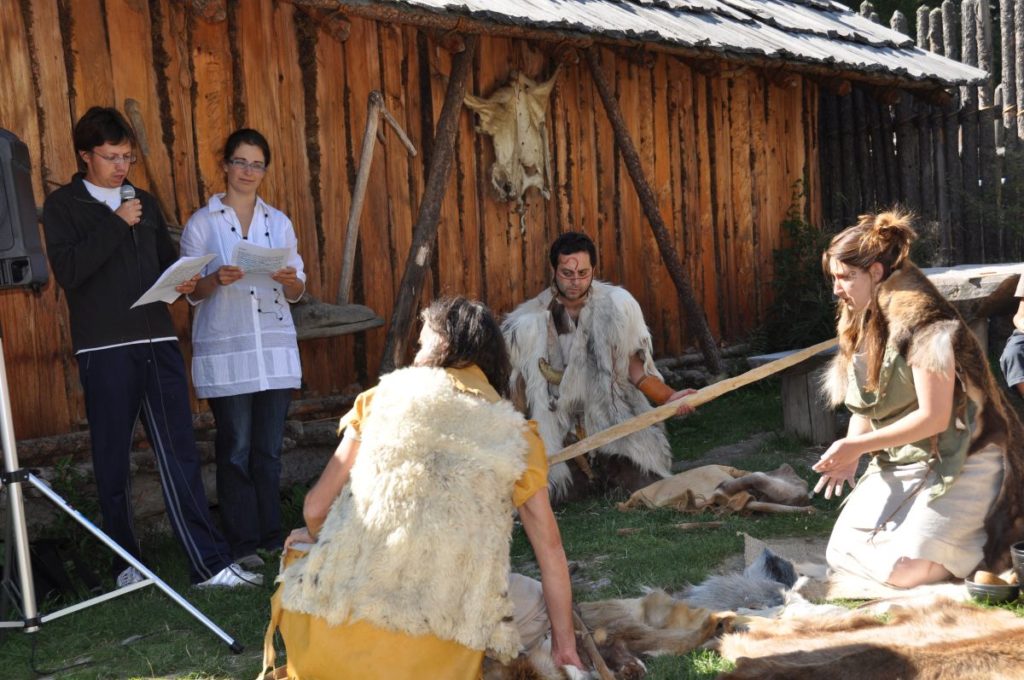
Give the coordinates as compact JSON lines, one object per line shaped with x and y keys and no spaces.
{"x":782,"y":485}
{"x":654,"y":624}
{"x":923,"y":326}
{"x":944,"y":640}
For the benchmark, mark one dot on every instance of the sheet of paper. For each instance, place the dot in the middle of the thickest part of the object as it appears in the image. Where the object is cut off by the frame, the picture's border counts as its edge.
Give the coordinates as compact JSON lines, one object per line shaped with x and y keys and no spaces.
{"x":258,"y":260}
{"x":175,"y":275}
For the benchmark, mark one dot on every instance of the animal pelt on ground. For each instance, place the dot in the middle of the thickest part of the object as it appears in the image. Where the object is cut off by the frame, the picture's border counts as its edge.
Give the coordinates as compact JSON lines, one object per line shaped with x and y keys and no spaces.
{"x":653,"y":624}
{"x":782,"y":485}
{"x":945,"y":639}
{"x":762,"y":585}
{"x":538,"y":664}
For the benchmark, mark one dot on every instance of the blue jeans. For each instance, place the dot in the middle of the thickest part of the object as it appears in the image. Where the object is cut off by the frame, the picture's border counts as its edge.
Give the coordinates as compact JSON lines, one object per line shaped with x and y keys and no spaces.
{"x":250,"y":434}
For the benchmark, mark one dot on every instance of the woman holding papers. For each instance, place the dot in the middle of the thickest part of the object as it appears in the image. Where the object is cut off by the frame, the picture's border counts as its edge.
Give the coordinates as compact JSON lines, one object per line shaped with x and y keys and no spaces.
{"x":245,"y":357}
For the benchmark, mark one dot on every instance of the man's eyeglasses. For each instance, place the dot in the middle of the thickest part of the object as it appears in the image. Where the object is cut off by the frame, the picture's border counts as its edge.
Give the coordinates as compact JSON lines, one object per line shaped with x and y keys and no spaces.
{"x":242,"y":164}
{"x":127,"y":159}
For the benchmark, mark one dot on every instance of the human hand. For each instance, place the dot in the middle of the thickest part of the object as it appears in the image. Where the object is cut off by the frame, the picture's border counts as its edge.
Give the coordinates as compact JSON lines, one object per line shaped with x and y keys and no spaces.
{"x":566,"y":655}
{"x":130,"y":212}
{"x":300,"y":535}
{"x":285,"y":276}
{"x":228,"y":274}
{"x":189,"y":286}
{"x":838,"y":466}
{"x":684,"y":409}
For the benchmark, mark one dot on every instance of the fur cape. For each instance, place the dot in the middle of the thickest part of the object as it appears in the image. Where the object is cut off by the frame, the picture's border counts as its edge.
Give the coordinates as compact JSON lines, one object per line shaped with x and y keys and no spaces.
{"x":609,"y":331}
{"x":929,"y":333}
{"x":418,"y":540}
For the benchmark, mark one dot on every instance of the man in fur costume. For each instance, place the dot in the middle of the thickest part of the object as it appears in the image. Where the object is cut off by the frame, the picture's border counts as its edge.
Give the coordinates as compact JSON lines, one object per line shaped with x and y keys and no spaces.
{"x":410,"y":522}
{"x":581,"y":362}
{"x":943,"y":491}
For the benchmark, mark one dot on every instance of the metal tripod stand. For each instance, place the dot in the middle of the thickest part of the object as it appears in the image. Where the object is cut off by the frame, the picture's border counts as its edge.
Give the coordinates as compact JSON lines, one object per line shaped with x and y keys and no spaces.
{"x":22,"y":592}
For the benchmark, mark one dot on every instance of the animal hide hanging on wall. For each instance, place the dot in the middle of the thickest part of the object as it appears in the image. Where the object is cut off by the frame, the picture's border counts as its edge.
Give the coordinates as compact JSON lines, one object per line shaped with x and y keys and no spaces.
{"x":515,"y":117}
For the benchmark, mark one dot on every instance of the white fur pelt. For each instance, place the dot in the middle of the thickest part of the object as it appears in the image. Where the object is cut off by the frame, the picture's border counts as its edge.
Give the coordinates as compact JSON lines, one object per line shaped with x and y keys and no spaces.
{"x":418,"y":541}
{"x":609,"y":331}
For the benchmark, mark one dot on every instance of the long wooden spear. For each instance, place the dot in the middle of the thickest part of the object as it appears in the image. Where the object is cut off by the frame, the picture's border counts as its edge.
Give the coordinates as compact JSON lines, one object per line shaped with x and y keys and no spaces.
{"x":702,"y":396}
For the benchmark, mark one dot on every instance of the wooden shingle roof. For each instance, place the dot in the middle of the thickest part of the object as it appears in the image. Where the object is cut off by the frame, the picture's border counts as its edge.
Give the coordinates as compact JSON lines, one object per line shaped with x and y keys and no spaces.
{"x":814,"y":33}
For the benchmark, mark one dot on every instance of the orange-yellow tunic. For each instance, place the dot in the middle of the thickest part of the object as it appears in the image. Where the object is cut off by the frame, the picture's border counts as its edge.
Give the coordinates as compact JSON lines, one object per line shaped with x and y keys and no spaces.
{"x":358,"y":650}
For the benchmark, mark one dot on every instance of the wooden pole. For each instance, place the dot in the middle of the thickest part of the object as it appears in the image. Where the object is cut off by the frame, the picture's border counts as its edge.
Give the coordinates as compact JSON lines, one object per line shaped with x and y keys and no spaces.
{"x":972,"y":250}
{"x":375,"y":108}
{"x":695,"y":319}
{"x":863,"y":145}
{"x":1008,"y":50}
{"x":988,"y":162}
{"x":951,"y":131}
{"x":1018,"y":58}
{"x":922,"y":26}
{"x":703,"y":396}
{"x":424,"y":236}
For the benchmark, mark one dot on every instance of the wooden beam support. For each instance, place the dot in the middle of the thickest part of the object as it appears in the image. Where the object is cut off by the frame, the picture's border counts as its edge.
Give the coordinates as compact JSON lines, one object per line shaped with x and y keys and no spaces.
{"x":692,"y":312}
{"x":424,"y":236}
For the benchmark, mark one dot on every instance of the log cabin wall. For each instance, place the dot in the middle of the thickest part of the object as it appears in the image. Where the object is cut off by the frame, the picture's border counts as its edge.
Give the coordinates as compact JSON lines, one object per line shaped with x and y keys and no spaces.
{"x":723,"y":149}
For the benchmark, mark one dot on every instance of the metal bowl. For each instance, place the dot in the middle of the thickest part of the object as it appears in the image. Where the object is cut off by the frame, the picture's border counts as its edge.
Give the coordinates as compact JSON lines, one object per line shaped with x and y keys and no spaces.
{"x":992,"y":594}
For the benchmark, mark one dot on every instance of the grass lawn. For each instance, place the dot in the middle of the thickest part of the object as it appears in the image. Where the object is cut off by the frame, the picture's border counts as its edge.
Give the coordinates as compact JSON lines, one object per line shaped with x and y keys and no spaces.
{"x":144,"y":634}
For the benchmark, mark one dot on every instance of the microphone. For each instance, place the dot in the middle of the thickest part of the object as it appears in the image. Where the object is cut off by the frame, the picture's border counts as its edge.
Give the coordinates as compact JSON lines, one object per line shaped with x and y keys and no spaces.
{"x":127,"y":192}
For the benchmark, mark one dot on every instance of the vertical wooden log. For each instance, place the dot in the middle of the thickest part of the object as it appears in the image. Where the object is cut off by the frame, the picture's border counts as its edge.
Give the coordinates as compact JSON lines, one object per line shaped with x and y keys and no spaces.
{"x":951,"y":133}
{"x":425,"y":232}
{"x":695,"y":319}
{"x":852,"y":203}
{"x":926,"y":160}
{"x":922,"y":26}
{"x":907,"y":151}
{"x":898,"y":22}
{"x":879,"y":173}
{"x":935,"y":42}
{"x":1008,"y":51}
{"x":833,"y":177}
{"x":888,"y":139}
{"x":972,"y":237}
{"x":988,"y":162}
{"x":863,"y":152}
{"x":986,"y":55}
{"x":1018,"y":59}
{"x":951,"y":29}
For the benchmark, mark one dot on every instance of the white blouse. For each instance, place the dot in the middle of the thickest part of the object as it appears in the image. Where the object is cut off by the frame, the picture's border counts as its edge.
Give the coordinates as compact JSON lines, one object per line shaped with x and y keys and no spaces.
{"x":243,"y":337}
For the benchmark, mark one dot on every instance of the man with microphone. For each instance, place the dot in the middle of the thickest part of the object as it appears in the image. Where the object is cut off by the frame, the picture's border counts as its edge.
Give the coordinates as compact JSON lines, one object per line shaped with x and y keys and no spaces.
{"x":107,"y":244}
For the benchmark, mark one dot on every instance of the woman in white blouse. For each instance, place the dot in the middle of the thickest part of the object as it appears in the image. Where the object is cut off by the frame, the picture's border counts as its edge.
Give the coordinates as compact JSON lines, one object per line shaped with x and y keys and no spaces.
{"x":245,"y":358}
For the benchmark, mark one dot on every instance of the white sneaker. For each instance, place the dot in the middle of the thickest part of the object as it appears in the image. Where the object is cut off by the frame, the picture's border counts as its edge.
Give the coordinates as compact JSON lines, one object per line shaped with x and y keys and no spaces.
{"x":129,"y":576}
{"x":232,"y":576}
{"x":250,"y":562}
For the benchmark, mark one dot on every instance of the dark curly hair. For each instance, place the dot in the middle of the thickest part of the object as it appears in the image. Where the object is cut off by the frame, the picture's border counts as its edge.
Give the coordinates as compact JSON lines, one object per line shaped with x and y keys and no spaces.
{"x":470,"y":335}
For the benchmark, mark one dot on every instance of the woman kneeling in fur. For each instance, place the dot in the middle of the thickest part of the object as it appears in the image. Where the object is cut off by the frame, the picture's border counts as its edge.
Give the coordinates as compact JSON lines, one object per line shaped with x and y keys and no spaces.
{"x":940,"y":492}
{"x":410,"y":522}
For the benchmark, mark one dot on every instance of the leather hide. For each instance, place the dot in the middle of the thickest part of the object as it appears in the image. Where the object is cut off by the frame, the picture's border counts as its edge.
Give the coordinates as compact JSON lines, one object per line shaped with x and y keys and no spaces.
{"x":515,"y":117}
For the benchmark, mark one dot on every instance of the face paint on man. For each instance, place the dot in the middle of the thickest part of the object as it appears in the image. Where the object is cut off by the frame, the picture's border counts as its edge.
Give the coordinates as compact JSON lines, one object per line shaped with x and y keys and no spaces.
{"x":573,"y":276}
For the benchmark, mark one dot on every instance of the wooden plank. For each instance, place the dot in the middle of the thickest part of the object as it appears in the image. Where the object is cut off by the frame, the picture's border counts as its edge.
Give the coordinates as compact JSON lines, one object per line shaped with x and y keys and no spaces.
{"x":18,"y":114}
{"x":742,"y":274}
{"x":703,"y":396}
{"x":812,"y":208}
{"x":762,"y":223}
{"x":212,"y":105}
{"x":57,"y":160}
{"x":721,"y":160}
{"x":129,"y":31}
{"x":175,"y":28}
{"x":607,"y":237}
{"x":90,"y":47}
{"x":706,"y":235}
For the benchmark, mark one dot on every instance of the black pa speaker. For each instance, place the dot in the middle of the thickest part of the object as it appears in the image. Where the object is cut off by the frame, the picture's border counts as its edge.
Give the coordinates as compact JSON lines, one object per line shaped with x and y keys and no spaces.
{"x":22,"y":262}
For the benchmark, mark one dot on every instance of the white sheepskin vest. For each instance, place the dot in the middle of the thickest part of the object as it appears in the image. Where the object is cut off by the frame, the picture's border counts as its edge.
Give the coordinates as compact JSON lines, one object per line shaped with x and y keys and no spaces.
{"x":418,"y":540}
{"x":609,"y":331}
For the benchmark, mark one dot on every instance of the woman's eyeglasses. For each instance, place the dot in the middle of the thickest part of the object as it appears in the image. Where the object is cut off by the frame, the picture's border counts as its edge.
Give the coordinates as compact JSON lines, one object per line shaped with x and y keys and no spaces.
{"x":242,"y":164}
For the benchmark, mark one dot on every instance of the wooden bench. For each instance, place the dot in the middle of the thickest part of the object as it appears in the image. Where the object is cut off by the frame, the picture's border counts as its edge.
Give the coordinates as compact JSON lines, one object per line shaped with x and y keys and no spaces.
{"x":804,"y":412}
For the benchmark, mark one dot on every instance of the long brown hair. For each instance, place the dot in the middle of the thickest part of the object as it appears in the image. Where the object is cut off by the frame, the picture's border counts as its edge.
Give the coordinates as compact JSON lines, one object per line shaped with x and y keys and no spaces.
{"x":884,"y":238}
{"x":470,"y":335}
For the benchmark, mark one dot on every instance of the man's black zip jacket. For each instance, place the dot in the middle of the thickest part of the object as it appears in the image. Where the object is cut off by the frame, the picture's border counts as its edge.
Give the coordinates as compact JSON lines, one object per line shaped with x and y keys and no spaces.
{"x":104,"y":267}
